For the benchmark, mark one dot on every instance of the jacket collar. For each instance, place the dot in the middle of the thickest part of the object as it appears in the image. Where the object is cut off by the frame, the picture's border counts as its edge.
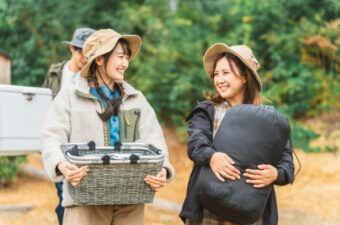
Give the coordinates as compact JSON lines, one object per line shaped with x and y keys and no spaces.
{"x":82,"y":89}
{"x":57,"y":69}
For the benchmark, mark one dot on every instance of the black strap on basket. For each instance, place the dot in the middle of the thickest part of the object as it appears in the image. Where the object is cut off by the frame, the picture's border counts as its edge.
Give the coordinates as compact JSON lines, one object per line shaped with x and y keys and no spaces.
{"x":118,"y":146}
{"x":134,"y":158}
{"x":74,"y":150}
{"x":154,"y":149}
{"x":91,"y":145}
{"x":106,"y":159}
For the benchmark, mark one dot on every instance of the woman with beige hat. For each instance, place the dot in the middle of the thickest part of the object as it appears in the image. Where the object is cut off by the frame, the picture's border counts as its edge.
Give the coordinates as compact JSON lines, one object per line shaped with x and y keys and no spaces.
{"x":233,"y":70}
{"x":104,"y":108}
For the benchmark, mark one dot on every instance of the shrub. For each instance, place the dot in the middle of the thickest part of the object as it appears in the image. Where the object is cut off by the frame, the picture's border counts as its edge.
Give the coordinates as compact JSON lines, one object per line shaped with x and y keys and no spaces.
{"x":296,"y":42}
{"x":9,"y":166}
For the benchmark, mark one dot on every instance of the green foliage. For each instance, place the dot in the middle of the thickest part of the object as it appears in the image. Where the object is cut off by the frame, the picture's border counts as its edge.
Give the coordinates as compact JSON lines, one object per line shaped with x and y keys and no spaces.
{"x":296,"y":42}
{"x":9,"y":166}
{"x":302,"y":137}
{"x":332,"y":148}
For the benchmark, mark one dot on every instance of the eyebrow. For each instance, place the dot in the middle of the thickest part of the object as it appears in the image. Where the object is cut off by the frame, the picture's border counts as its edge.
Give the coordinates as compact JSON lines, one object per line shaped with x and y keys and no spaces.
{"x":223,"y":70}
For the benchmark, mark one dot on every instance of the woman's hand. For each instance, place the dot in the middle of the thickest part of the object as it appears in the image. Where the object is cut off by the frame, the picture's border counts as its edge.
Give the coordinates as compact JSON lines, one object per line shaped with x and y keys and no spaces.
{"x":264,"y":176}
{"x":72,"y":173}
{"x":222,"y":166}
{"x":158,"y":181}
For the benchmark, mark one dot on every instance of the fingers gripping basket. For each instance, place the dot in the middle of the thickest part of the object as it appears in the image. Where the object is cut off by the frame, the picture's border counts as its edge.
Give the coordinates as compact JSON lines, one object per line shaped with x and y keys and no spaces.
{"x":116,"y":174}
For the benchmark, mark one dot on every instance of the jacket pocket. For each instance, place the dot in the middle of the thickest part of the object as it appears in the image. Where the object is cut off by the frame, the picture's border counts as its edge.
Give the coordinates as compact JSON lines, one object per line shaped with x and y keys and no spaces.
{"x":129,"y":125}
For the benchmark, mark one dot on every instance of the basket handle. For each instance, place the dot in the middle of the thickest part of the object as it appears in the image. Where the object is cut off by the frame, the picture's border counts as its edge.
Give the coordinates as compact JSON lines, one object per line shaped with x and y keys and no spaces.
{"x":107,"y":158}
{"x":154,"y":149}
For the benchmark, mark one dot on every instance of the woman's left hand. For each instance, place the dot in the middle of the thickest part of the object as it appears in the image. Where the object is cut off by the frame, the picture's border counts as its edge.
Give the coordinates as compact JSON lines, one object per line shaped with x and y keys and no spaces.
{"x":156,"y":182}
{"x":263,"y":176}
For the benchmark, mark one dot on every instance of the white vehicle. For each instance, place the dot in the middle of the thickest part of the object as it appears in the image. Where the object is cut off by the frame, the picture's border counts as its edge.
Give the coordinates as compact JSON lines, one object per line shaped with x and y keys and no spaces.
{"x":22,"y":112}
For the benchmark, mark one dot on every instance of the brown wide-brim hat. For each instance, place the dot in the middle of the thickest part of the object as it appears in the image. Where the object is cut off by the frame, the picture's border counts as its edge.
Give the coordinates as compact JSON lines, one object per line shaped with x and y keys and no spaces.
{"x":102,"y":42}
{"x":243,"y":52}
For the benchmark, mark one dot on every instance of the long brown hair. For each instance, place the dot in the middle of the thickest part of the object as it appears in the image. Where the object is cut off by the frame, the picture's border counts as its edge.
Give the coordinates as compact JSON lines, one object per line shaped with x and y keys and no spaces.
{"x":252,"y":88}
{"x":113,"y":105}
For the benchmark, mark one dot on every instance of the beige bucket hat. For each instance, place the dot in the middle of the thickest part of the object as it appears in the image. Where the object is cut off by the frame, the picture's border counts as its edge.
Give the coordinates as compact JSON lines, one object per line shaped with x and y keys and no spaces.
{"x":243,"y":52}
{"x":103,"y":41}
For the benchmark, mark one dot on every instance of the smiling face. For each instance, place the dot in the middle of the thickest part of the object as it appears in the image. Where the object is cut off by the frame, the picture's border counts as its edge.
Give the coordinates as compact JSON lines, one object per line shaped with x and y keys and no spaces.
{"x":117,"y":63}
{"x":112,"y":65}
{"x":78,"y":60}
{"x":228,"y":84}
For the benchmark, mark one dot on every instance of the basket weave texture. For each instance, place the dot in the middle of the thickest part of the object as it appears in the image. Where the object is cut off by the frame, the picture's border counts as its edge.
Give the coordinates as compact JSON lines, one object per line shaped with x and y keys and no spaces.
{"x":118,"y":182}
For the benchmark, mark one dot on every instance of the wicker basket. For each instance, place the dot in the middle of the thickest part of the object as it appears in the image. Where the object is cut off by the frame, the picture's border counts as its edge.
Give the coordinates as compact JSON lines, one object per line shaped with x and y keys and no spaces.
{"x":116,"y":174}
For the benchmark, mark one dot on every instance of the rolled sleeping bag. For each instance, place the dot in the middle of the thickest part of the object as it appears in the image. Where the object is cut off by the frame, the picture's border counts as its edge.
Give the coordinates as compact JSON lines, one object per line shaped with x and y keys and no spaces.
{"x":250,"y":135}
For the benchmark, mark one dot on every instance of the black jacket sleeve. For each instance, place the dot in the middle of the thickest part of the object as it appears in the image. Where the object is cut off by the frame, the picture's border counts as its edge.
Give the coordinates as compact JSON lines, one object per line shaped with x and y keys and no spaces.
{"x":285,"y":167}
{"x":200,"y":137}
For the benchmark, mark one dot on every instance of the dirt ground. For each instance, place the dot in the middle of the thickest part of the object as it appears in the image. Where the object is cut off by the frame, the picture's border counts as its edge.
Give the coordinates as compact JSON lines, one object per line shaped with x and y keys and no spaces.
{"x":313,"y":199}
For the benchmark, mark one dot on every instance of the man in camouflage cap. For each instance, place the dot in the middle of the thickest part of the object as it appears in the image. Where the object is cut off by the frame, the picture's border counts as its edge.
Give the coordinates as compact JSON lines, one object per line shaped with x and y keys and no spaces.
{"x":63,"y":74}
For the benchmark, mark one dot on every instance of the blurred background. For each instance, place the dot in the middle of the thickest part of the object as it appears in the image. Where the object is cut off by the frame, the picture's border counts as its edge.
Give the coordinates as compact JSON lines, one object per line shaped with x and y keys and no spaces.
{"x":296,"y":42}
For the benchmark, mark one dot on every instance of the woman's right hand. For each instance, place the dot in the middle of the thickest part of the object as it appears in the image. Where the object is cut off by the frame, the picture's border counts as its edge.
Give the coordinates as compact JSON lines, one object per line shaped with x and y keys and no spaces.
{"x":72,"y":173}
{"x":222,"y":166}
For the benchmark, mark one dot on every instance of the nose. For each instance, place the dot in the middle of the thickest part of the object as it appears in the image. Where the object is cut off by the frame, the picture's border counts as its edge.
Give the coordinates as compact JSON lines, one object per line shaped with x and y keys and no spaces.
{"x":220,"y":79}
{"x":125,"y":63}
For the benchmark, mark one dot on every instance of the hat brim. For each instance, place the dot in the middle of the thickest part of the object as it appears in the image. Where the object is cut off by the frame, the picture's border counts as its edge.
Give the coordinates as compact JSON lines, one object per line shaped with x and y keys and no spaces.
{"x":73,"y":44}
{"x":215,"y":50}
{"x":134,"y":41}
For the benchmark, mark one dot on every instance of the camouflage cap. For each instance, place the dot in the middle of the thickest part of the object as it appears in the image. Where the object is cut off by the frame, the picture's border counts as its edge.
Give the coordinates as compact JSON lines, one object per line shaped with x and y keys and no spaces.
{"x":79,"y":37}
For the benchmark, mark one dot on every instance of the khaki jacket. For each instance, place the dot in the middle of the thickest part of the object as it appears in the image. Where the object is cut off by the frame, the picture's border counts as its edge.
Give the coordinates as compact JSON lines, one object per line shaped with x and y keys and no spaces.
{"x":53,"y":77}
{"x":72,"y":117}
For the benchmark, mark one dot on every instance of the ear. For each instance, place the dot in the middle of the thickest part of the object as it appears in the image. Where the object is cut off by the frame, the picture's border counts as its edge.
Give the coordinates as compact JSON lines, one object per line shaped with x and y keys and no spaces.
{"x":71,"y":48}
{"x":100,"y":60}
{"x":243,"y":79}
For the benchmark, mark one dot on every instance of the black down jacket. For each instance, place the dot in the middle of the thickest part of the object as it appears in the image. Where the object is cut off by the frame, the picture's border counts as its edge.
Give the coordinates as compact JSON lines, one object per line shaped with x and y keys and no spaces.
{"x":200,"y":150}
{"x":251,"y":135}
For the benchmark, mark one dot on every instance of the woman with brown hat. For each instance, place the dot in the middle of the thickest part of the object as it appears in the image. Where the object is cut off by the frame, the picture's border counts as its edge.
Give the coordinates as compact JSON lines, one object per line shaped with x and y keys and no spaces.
{"x":233,"y":70}
{"x":104,"y":108}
